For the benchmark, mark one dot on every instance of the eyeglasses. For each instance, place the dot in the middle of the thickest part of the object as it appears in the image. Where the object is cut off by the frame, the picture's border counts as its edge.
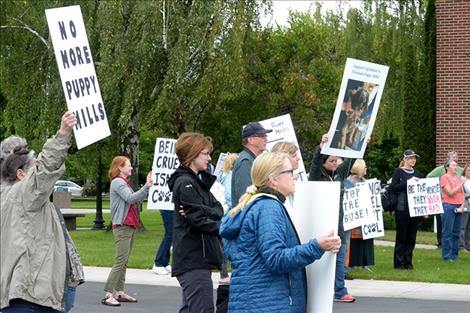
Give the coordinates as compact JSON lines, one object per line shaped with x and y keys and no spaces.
{"x":291,"y":171}
{"x":264,"y":136}
{"x":205,"y":153}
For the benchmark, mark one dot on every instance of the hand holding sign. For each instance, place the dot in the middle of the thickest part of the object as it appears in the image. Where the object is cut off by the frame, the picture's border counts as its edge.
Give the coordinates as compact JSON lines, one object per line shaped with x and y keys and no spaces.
{"x":68,"y":122}
{"x":329,"y":242}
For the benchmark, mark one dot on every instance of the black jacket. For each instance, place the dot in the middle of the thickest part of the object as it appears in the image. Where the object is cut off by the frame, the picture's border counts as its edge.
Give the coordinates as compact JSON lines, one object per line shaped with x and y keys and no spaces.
{"x":196,"y":241}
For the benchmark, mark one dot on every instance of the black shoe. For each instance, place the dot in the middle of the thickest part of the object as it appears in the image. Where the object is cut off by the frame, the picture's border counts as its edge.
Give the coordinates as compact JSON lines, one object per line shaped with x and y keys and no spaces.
{"x":348,"y":277}
{"x":409,"y":267}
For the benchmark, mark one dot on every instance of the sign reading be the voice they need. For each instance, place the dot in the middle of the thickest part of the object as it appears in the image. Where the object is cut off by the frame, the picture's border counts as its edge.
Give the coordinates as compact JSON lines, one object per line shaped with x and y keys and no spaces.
{"x":77,"y":72}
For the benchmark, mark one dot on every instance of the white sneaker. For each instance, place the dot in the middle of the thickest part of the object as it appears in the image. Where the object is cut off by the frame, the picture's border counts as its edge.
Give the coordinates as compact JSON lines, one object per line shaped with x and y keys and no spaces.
{"x":168,"y":269}
{"x":159,"y":270}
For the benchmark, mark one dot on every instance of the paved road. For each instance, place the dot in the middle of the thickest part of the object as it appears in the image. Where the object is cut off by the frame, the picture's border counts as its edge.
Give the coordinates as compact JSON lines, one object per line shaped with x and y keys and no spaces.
{"x":164,"y":299}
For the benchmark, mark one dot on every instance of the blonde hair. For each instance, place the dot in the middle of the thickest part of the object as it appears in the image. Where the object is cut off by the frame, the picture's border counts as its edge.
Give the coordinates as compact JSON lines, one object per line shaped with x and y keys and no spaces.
{"x":266,"y":165}
{"x":285,"y":147}
{"x":358,"y":165}
{"x":229,"y":162}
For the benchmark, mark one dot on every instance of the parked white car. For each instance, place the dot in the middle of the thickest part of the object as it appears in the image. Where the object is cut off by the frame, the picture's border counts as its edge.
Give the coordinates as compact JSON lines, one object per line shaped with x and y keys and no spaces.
{"x":68,"y":186}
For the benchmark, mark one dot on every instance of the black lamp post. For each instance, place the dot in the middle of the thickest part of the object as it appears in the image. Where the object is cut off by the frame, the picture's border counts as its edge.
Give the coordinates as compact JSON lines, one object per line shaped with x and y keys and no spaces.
{"x":99,"y":222}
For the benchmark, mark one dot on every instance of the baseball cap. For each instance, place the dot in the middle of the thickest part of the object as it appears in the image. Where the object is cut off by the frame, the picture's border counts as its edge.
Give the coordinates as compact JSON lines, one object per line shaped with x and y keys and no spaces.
{"x":409,"y":153}
{"x":254,"y":128}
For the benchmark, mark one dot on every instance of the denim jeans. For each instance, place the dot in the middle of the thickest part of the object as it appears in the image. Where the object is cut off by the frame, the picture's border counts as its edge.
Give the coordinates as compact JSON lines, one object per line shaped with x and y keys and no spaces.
{"x":70,"y":300}
{"x":162,"y":258}
{"x":450,"y":232}
{"x":341,"y":270}
{"x":23,"y":306}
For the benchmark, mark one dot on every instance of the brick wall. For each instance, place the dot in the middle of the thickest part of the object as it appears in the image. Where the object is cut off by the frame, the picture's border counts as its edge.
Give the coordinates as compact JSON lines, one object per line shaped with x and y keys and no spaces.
{"x":453,"y":79}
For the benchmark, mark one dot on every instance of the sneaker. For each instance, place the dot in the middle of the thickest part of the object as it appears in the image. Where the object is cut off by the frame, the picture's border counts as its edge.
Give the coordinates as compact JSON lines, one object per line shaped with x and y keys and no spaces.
{"x":159,"y":270}
{"x":168,"y":269}
{"x":346,"y":298}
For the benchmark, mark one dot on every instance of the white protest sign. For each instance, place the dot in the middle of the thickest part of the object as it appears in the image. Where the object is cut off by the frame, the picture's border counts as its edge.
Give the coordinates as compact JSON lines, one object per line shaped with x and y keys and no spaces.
{"x":376,"y":227}
{"x":316,"y":214}
{"x":356,"y":109}
{"x":283,"y":130}
{"x":357,"y":207}
{"x":220,"y":165}
{"x":424,"y":196}
{"x":165,"y":162}
{"x":77,"y":73}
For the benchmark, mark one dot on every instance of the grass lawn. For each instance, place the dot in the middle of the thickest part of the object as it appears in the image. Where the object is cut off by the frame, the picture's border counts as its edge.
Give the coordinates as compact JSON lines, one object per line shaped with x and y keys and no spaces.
{"x":96,"y":248}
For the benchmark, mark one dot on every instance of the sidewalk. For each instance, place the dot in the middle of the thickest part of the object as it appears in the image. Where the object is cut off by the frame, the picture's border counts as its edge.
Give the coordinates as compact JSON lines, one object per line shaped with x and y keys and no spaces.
{"x":357,"y":287}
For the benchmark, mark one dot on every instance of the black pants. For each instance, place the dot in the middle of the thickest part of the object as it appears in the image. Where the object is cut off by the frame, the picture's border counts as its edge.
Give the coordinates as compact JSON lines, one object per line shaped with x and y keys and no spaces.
{"x":405,"y":240}
{"x":198,"y":296}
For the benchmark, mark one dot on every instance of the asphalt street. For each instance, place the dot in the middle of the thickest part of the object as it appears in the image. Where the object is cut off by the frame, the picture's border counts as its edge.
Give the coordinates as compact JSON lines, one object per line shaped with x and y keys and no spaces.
{"x":164,"y":299}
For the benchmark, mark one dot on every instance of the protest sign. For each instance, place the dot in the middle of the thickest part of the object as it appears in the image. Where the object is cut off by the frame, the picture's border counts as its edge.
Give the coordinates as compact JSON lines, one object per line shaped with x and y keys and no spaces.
{"x":77,"y":73}
{"x":424,"y":196}
{"x":283,"y":130}
{"x":220,"y":164}
{"x":356,"y":108}
{"x":165,"y":162}
{"x":316,"y":215}
{"x":375,"y":228}
{"x":357,"y":207}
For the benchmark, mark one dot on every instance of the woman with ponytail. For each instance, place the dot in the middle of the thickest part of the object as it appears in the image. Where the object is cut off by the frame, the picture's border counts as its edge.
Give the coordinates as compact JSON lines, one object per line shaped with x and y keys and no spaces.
{"x":268,"y":261}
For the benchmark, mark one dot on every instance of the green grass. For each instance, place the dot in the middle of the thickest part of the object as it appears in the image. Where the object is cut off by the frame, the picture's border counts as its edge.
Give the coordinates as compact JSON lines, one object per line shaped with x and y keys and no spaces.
{"x":96,"y":248}
{"x":429,"y":267}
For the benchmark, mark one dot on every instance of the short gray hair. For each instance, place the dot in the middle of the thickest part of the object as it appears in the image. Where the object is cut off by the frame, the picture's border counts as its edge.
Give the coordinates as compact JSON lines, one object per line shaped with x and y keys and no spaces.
{"x":8,"y":145}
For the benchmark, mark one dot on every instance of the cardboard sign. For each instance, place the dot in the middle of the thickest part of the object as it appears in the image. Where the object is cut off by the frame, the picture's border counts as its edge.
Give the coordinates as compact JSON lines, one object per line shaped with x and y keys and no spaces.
{"x":356,"y":109}
{"x":283,"y":130}
{"x":424,"y":196}
{"x":77,"y":73}
{"x":316,"y":215}
{"x":376,"y":227}
{"x":357,"y":207}
{"x":220,"y":165}
{"x":165,"y":162}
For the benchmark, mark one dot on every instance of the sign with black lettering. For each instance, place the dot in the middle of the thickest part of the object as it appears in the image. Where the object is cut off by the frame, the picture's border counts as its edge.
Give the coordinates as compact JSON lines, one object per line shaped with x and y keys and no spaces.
{"x":220,"y":165}
{"x":424,"y":197}
{"x":77,"y":72}
{"x":165,"y":162}
{"x":375,"y":228}
{"x":357,"y":207}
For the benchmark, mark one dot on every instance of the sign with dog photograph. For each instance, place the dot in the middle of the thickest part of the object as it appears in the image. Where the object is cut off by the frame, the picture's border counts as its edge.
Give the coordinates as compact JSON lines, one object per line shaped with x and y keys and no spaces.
{"x":283,"y":131}
{"x":77,"y":72}
{"x":165,"y":162}
{"x":356,"y":109}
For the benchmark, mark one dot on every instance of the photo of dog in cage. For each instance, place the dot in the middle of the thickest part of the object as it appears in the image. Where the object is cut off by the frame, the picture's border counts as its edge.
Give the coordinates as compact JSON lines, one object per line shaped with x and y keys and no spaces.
{"x":356,"y":111}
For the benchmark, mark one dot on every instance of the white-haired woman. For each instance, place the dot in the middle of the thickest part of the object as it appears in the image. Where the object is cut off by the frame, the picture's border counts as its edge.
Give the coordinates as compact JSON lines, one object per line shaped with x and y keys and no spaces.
{"x":268,"y":261}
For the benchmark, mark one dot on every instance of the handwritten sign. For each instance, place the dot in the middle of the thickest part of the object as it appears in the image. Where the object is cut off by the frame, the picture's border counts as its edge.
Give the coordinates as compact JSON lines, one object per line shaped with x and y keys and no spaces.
{"x":376,"y":227}
{"x":357,"y":207}
{"x":283,"y":130}
{"x":220,"y":165}
{"x":424,"y":197}
{"x":165,"y":162}
{"x":77,"y":72}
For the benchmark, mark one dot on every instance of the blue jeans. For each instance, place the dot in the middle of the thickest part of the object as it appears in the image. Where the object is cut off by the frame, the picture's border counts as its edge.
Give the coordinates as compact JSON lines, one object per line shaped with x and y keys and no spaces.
{"x":340,"y":288}
{"x":450,"y":232}
{"x":163,"y":254}
{"x":23,"y":306}
{"x":70,"y":300}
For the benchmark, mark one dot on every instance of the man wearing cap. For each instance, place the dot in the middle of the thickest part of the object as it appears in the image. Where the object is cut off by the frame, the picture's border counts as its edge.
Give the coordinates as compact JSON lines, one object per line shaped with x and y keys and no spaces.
{"x":439,"y":172}
{"x":254,"y":141}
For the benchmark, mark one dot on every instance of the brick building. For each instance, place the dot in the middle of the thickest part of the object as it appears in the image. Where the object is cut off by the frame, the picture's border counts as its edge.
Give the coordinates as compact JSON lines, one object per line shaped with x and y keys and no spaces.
{"x":453,"y":79}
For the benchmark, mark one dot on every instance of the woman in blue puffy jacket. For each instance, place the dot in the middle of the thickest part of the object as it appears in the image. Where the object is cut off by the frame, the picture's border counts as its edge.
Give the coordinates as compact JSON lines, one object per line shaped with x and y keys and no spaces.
{"x":260,"y":241}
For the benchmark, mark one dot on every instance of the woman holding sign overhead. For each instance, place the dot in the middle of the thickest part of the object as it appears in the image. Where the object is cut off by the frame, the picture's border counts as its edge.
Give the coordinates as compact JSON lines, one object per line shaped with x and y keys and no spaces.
{"x":452,"y":203}
{"x":125,"y":219}
{"x":407,"y":226}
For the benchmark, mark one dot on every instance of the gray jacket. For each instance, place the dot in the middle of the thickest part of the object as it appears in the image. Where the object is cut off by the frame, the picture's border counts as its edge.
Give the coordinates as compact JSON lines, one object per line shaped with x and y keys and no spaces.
{"x":241,"y":175}
{"x":121,"y":196}
{"x":33,"y":252}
